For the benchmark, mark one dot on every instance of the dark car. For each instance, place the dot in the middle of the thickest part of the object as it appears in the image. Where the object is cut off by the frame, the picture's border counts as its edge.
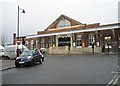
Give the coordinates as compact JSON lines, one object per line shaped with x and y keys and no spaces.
{"x":28,"y":58}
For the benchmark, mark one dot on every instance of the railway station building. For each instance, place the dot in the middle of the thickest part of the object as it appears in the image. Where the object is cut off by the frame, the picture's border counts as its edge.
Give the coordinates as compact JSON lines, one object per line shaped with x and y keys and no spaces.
{"x":66,"y":35}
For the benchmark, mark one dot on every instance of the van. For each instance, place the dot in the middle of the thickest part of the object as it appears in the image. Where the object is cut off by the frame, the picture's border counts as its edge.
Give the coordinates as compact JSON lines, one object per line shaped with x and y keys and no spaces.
{"x":2,"y":53}
{"x":10,"y":50}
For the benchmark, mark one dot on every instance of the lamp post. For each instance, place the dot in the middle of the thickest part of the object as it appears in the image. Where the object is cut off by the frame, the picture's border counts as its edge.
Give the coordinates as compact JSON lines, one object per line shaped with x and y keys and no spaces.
{"x":23,"y":11}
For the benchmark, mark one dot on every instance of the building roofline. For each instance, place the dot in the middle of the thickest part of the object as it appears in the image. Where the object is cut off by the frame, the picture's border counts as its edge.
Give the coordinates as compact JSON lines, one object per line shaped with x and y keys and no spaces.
{"x":107,"y":27}
{"x":112,"y":24}
{"x":76,"y":27}
{"x":70,"y":32}
{"x":79,"y":28}
{"x":59,"y":18}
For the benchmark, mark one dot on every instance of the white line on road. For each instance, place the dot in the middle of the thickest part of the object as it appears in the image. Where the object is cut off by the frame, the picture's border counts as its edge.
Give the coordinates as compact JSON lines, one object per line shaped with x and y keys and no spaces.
{"x":115,"y":82}
{"x":112,"y":81}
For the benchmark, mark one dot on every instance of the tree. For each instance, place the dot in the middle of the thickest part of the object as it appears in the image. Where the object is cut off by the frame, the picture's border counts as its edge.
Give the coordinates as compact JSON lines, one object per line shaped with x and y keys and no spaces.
{"x":3,"y":39}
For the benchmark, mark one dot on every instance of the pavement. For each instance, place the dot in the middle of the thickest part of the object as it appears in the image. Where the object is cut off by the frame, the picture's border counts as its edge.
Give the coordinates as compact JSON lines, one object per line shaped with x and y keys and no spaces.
{"x":6,"y":64}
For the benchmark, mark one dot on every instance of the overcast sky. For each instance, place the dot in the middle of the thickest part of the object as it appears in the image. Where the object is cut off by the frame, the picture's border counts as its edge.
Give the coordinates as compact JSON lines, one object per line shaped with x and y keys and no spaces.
{"x":41,"y":13}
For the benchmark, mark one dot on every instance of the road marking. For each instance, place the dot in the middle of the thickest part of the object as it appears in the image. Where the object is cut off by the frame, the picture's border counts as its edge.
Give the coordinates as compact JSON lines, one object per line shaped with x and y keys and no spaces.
{"x":110,"y":82}
{"x":114,"y":80}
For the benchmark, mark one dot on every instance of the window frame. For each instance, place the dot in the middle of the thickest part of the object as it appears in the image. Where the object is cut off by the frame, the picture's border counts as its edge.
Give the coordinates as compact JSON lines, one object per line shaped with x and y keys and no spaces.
{"x":108,"y":39}
{"x":32,"y":44}
{"x":63,"y":23}
{"x":42,"y":42}
{"x":26,"y":43}
{"x":118,"y":40}
{"x":91,"y":39}
{"x":50,"y":41}
{"x":79,"y":39}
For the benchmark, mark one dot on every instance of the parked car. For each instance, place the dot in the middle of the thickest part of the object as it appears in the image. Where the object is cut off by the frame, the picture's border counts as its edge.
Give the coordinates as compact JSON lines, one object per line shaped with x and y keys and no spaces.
{"x":2,"y":53}
{"x":29,"y":57}
{"x":10,"y":50}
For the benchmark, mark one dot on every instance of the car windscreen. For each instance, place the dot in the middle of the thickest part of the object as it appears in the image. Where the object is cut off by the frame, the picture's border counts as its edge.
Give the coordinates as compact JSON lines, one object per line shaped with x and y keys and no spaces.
{"x":26,"y":53}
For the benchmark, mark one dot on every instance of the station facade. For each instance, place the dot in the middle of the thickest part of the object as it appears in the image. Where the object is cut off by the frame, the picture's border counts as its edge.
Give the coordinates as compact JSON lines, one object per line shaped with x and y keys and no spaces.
{"x":65,"y":31}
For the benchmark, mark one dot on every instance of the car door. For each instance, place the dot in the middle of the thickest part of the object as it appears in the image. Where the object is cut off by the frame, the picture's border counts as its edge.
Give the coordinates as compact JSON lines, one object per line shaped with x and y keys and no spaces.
{"x":38,"y":56}
{"x":35,"y":56}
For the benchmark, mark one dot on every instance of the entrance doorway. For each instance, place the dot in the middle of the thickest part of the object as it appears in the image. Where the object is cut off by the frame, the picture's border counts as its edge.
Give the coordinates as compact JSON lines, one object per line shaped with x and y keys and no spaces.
{"x":64,"y":41}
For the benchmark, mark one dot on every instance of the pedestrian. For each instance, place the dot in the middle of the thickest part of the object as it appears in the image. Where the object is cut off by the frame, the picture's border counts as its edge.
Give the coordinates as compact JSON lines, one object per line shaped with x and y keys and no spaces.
{"x":103,"y":48}
{"x":93,"y":47}
{"x":42,"y":57}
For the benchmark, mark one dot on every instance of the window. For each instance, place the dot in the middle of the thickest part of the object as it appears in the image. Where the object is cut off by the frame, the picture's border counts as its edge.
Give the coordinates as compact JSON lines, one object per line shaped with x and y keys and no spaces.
{"x":91,"y":39}
{"x":118,"y":40}
{"x":32,"y":44}
{"x":50,"y":42}
{"x":26,"y":43}
{"x":107,"y":41}
{"x":36,"y":43}
{"x":63,"y":23}
{"x":79,"y":40}
{"x":42,"y":43}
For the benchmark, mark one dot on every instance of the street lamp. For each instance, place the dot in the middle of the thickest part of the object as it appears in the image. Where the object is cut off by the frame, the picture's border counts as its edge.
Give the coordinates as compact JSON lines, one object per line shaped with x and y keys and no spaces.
{"x":23,"y":11}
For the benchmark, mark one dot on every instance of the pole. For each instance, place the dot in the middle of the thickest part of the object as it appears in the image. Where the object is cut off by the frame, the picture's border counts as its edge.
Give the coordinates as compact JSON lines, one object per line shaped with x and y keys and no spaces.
{"x":18,"y":24}
{"x":17,"y":51}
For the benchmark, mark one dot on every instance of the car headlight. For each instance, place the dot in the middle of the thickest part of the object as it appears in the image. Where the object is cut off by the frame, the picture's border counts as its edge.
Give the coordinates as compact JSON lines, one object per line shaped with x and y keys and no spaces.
{"x":17,"y":58}
{"x":28,"y":57}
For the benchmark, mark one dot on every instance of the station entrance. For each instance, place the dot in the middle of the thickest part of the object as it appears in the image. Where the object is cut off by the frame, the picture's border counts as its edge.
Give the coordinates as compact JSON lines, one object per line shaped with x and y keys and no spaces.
{"x":64,"y":41}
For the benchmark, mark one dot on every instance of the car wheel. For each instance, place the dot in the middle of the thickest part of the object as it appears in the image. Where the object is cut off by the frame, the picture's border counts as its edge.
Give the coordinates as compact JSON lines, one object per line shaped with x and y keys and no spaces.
{"x":17,"y":65}
{"x":40,"y":61}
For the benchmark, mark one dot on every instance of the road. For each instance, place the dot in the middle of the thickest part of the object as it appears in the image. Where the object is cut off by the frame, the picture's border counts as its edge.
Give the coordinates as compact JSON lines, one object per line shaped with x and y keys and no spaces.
{"x":65,"y":69}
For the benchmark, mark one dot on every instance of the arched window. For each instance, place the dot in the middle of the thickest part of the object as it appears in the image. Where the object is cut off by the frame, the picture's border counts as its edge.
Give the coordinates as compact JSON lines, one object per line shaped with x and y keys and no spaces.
{"x":63,"y":23}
